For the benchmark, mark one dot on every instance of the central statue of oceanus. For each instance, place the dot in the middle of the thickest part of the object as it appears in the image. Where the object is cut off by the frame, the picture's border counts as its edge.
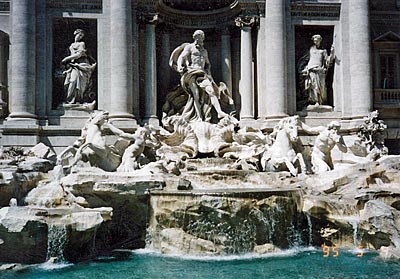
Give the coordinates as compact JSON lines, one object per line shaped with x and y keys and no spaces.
{"x":197,"y":87}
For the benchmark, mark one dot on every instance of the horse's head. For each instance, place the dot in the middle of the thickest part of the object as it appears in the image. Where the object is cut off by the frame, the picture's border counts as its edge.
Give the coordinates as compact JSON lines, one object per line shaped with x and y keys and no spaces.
{"x":290,"y":126}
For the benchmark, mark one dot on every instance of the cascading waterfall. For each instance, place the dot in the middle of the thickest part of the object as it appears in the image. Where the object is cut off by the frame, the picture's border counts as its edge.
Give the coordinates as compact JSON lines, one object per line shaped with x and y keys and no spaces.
{"x":56,"y":240}
{"x":310,"y":228}
{"x":218,"y":224}
{"x":354,"y":224}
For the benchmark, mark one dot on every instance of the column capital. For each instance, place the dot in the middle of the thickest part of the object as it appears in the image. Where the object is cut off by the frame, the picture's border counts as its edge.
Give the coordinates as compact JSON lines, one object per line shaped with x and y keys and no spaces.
{"x":245,"y":21}
{"x":149,"y":18}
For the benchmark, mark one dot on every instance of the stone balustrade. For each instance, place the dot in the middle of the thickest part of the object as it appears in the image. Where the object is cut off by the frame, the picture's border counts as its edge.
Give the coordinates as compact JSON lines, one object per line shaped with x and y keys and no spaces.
{"x":387,"y":97}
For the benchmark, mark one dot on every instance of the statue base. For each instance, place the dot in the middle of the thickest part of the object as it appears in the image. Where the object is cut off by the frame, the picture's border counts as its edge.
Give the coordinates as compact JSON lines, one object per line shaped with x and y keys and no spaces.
{"x":81,"y":107}
{"x":319,"y":108}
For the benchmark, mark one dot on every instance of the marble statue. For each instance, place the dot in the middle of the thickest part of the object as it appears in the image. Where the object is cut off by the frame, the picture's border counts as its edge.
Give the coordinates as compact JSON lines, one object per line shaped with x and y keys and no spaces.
{"x":372,"y":136}
{"x":313,"y":74}
{"x":328,"y":137}
{"x":191,"y":61}
{"x":91,"y":146}
{"x":78,"y":76}
{"x":134,"y":150}
{"x":281,"y":154}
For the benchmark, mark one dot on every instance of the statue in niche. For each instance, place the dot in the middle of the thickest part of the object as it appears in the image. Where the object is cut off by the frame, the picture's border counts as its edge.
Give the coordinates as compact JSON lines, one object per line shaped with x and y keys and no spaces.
{"x":203,"y":94}
{"x":313,"y":67}
{"x":78,"y":76}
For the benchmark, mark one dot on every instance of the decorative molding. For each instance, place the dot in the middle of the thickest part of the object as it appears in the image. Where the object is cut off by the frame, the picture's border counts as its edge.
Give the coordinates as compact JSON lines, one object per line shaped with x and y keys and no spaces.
{"x":315,"y":11}
{"x":200,"y":19}
{"x":245,"y":21}
{"x":5,"y":6}
{"x":252,"y":7}
{"x":385,"y":16}
{"x":91,"y":5}
{"x":149,"y":18}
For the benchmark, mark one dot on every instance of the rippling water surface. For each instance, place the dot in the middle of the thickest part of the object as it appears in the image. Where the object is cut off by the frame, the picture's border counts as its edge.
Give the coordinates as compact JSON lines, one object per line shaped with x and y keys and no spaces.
{"x":294,"y":263}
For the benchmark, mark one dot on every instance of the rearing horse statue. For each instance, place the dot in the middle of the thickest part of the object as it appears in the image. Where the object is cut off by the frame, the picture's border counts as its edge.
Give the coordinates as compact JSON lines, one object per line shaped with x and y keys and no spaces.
{"x":280,"y":155}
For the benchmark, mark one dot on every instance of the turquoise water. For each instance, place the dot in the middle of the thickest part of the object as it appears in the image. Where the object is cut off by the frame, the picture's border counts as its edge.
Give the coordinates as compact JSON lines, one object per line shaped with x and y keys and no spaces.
{"x":306,"y":263}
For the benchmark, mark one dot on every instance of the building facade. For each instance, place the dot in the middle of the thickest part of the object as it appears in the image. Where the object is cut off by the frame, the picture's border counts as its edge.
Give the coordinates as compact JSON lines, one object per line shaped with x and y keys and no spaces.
{"x":254,"y":46}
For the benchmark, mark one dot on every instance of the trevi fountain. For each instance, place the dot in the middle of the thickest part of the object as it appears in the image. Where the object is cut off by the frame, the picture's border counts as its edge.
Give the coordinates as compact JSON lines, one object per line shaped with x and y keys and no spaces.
{"x":204,"y":194}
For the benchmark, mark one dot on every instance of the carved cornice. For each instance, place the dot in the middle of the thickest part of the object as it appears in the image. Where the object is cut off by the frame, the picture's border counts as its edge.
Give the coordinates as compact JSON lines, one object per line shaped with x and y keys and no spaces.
{"x":252,"y":7}
{"x":81,"y":5}
{"x":199,"y":19}
{"x":315,"y":10}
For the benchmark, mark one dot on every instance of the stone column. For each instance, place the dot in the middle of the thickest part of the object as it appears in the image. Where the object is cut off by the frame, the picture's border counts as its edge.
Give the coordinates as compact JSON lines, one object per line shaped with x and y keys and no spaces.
{"x":150,"y":86}
{"x":360,"y":60}
{"x":272,"y":104}
{"x":246,"y":86}
{"x":121,"y":106}
{"x":23,"y":53}
{"x":226,"y":67}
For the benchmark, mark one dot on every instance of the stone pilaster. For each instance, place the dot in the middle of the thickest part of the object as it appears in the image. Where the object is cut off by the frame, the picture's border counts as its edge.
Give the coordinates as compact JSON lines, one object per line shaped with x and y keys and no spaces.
{"x":3,"y":72}
{"x":23,"y":53}
{"x":41,"y":61}
{"x":360,"y":61}
{"x":226,"y":63}
{"x":246,"y":85}
{"x":164,"y":69}
{"x":150,"y":87}
{"x":273,"y":91}
{"x":121,"y":103}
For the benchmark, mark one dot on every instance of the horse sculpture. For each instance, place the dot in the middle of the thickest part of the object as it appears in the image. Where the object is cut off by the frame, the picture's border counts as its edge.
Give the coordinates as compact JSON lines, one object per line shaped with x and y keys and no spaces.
{"x":280,"y":155}
{"x":91,"y":146}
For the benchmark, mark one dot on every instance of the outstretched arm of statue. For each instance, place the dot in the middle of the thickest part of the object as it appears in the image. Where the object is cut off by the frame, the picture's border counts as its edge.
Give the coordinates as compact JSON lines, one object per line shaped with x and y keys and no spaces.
{"x":311,"y":130}
{"x":331,"y":57}
{"x":182,"y":59}
{"x":119,"y":132}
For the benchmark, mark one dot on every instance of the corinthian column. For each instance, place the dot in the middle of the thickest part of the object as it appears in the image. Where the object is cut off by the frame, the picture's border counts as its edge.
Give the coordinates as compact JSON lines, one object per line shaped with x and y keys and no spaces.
{"x":246,"y":87}
{"x":150,"y":86}
{"x":23,"y":59}
{"x":121,"y":60}
{"x":272,"y":100}
{"x":360,"y":62}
